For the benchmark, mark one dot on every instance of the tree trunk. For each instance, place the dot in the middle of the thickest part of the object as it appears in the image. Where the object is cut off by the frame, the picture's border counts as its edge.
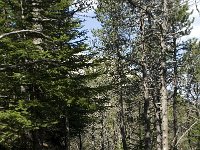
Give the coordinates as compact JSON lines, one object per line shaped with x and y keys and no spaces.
{"x":121,"y":101}
{"x":115,"y":135}
{"x":147,"y":138}
{"x":36,"y":141}
{"x":80,"y":141}
{"x":140,"y":127}
{"x":163,"y":91}
{"x":102,"y":133}
{"x":93,"y":137}
{"x":175,"y":125}
{"x":122,"y":125}
{"x":158,"y":119}
{"x":67,"y":136}
{"x":164,"y":112}
{"x":36,"y":16}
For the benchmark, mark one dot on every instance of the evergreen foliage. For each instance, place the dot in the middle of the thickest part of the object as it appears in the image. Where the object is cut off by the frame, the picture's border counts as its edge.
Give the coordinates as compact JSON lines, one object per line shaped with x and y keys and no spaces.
{"x":44,"y":92}
{"x":136,"y":89}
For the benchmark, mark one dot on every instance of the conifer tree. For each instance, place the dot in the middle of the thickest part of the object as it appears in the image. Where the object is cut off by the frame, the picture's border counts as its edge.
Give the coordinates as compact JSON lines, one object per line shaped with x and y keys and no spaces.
{"x":152,"y":30}
{"x":44,"y":94}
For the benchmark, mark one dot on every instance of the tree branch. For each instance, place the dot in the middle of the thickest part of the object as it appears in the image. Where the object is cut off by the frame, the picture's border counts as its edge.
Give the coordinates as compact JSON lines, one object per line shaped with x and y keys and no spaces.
{"x":134,"y":4}
{"x":197,"y":7}
{"x":24,"y":31}
{"x":186,"y":132}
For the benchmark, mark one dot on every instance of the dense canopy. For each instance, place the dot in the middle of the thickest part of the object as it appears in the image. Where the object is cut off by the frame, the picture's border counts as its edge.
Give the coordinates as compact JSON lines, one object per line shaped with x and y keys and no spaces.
{"x":136,"y":87}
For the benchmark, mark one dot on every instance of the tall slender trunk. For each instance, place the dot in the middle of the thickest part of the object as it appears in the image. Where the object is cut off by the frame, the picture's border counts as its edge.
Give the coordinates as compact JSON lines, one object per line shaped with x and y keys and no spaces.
{"x":115,"y":135}
{"x":175,"y":125}
{"x":163,"y":76}
{"x":122,"y":125}
{"x":164,"y":110}
{"x":93,"y":137}
{"x":80,"y":141}
{"x":67,"y":135}
{"x":121,"y":100}
{"x":102,"y":132}
{"x":36,"y":25}
{"x":158,"y":119}
{"x":36,"y":18}
{"x":140,"y":127}
{"x":147,"y":138}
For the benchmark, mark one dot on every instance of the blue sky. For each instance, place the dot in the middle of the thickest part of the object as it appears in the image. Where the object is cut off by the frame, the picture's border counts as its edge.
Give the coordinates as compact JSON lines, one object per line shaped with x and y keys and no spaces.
{"x":92,"y":23}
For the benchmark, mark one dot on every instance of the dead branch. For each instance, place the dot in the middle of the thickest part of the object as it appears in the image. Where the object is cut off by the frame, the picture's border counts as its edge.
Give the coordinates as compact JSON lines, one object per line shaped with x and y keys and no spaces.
{"x":24,"y":31}
{"x":186,"y":132}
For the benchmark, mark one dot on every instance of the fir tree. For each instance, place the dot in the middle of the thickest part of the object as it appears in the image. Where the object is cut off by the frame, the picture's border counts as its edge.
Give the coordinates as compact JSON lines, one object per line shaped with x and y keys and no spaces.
{"x":45,"y":99}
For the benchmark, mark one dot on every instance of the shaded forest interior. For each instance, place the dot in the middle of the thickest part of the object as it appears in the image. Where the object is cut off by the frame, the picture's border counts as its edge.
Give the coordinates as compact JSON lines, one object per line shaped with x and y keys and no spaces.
{"x":135,"y":87}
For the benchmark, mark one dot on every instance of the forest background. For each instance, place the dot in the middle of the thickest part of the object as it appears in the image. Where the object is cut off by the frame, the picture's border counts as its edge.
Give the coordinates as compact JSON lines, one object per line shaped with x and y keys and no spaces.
{"x":132,"y":83}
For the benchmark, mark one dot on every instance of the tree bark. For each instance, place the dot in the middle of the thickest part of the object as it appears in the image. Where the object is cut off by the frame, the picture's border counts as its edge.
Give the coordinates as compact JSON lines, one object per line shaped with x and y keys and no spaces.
{"x":80,"y":141}
{"x":164,"y":111}
{"x":67,"y":136}
{"x":163,"y":91}
{"x":36,"y":26}
{"x":175,"y":125}
{"x":158,"y":118}
{"x":102,"y":132}
{"x":121,"y":100}
{"x":93,"y":137}
{"x":36,"y":18}
{"x":122,"y":125}
{"x":147,"y":138}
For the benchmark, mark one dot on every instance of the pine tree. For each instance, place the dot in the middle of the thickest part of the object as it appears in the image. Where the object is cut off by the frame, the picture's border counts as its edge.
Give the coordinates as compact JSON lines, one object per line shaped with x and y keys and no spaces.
{"x":152,"y":51}
{"x":45,"y":99}
{"x":115,"y":44}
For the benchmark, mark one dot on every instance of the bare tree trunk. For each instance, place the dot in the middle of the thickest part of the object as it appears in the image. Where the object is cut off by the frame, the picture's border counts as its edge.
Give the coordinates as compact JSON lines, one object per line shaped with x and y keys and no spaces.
{"x":67,"y":136}
{"x":36,"y":16}
{"x":175,"y":125}
{"x":36,"y":13}
{"x":147,"y":138}
{"x":115,"y":135}
{"x":121,"y":100}
{"x":146,"y":113}
{"x":164,"y":111}
{"x":102,"y":132}
{"x":163,"y":91}
{"x":140,"y":127}
{"x":80,"y":141}
{"x":158,"y":119}
{"x":93,"y":137}
{"x":122,"y":125}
